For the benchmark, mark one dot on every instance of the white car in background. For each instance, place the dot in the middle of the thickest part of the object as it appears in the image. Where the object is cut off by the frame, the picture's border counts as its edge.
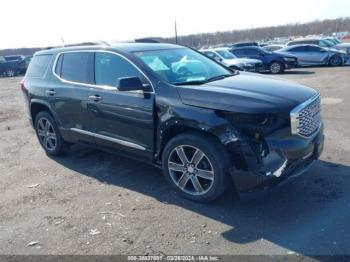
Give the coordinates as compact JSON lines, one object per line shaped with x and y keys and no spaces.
{"x":273,"y":47}
{"x":225,"y":57}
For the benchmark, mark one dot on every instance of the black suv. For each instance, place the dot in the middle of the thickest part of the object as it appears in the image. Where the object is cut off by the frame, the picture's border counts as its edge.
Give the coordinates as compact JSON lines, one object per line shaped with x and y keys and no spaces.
{"x":12,"y":65}
{"x":177,"y":109}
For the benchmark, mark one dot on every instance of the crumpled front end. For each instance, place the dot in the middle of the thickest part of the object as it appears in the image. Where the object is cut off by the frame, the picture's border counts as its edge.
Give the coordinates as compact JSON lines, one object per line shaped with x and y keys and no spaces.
{"x":276,"y":157}
{"x":267,"y":149}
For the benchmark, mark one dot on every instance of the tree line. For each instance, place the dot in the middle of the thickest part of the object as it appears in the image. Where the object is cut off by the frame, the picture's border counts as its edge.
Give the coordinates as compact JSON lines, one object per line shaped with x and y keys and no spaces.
{"x":325,"y":27}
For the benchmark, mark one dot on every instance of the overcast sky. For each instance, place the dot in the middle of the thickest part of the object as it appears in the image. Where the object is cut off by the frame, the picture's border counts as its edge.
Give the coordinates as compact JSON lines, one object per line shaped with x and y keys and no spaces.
{"x":35,"y":23}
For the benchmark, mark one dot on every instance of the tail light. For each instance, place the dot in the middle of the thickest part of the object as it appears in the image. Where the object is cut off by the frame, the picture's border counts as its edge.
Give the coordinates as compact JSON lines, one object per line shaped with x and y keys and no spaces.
{"x":22,"y":85}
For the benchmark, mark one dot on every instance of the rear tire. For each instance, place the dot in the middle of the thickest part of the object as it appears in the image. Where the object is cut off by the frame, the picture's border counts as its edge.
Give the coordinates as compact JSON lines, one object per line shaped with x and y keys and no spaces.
{"x":197,"y":166}
{"x":48,"y":134}
{"x":335,"y":61}
{"x":276,"y":68}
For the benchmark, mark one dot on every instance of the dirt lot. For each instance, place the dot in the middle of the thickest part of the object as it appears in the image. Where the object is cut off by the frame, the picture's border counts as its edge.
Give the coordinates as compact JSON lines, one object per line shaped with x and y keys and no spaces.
{"x":91,"y":202}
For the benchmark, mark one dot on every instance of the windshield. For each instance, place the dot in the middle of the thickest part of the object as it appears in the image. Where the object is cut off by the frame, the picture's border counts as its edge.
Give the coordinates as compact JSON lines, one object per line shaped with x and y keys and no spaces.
{"x":226,"y":54}
{"x":326,"y":43}
{"x":182,"y":66}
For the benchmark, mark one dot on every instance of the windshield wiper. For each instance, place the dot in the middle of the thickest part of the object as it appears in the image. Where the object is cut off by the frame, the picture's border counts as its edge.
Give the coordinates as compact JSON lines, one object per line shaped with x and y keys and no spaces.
{"x":201,"y":82}
{"x":194,"y":82}
{"x":219,"y":77}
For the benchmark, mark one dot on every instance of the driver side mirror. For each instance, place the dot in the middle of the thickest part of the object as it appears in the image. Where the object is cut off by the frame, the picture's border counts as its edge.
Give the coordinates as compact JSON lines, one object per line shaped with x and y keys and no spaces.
{"x":131,"y":84}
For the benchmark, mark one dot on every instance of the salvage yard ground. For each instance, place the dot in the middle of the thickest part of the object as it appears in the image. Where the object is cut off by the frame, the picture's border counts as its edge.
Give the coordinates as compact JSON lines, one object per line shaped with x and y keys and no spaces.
{"x":91,"y":202}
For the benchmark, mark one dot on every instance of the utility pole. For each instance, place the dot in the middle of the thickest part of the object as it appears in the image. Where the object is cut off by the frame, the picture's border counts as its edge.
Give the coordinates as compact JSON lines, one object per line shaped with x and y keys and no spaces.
{"x":175,"y":33}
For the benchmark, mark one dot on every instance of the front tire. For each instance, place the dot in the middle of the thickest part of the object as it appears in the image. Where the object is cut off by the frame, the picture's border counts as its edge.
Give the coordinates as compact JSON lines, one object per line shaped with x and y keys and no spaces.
{"x":48,"y":134}
{"x":196,"y":165}
{"x":335,"y":61}
{"x":276,"y":68}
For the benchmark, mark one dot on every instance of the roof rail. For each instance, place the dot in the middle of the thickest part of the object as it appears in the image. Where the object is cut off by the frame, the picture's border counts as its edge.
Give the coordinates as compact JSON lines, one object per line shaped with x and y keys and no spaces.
{"x":81,"y":44}
{"x":146,"y":40}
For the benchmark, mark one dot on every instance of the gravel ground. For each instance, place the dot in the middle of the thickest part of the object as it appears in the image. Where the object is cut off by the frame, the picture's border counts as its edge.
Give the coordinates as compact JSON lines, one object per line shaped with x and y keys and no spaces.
{"x":91,"y":202}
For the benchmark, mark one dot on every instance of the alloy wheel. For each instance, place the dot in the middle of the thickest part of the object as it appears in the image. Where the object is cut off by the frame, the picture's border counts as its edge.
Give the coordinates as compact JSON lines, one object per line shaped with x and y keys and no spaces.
{"x":46,"y":134}
{"x":275,"y":68}
{"x":191,"y":170}
{"x":10,"y":73}
{"x":336,"y":61}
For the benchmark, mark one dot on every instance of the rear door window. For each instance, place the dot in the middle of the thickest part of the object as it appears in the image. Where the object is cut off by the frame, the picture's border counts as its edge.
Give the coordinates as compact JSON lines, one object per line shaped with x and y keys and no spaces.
{"x":252,"y":52}
{"x":75,"y":67}
{"x":38,"y":66}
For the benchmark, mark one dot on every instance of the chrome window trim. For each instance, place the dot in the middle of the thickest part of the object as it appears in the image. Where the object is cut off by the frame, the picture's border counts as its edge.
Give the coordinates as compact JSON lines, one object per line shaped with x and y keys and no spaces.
{"x":104,"y":87}
{"x":294,"y":121}
{"x":108,"y":138}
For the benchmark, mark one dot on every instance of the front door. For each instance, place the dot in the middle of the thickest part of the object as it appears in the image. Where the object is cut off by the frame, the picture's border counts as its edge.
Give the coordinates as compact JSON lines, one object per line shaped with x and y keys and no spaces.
{"x":318,"y":55}
{"x":122,"y":120}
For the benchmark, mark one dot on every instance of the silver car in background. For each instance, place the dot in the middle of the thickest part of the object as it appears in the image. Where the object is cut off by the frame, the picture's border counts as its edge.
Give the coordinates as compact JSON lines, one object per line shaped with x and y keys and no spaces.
{"x":223,"y":56}
{"x":309,"y":55}
{"x":322,"y":42}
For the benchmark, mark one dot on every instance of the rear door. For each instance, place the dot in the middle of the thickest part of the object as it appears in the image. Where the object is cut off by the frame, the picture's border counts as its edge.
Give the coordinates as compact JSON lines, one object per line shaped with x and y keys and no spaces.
{"x":122,"y":120}
{"x":68,"y":93}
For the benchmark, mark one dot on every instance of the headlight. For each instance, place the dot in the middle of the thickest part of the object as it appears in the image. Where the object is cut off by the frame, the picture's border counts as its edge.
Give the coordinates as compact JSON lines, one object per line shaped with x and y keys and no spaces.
{"x":258,"y":123}
{"x":288,"y":59}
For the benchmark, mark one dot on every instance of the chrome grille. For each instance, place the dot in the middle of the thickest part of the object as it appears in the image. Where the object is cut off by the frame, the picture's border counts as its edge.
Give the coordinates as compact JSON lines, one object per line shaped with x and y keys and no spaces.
{"x":306,"y":118}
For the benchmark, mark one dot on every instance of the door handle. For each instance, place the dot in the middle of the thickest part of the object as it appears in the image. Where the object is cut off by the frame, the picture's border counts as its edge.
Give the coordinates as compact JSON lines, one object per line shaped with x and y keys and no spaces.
{"x":51,"y":92}
{"x":95,"y":98}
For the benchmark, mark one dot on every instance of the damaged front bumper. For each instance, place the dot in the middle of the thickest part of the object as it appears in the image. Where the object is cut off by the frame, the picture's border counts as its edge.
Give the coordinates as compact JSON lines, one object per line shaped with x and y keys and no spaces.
{"x":279,"y":157}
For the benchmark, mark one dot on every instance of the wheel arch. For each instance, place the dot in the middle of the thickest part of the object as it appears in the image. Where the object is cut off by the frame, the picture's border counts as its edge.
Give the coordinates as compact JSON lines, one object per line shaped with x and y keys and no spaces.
{"x":223,"y":133}
{"x":334,"y":55}
{"x":37,"y":106}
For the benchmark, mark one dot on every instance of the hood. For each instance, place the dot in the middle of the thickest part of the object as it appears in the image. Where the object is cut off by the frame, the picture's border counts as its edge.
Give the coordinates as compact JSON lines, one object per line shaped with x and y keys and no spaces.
{"x":247,"y":93}
{"x":334,"y":50}
{"x":343,"y":45}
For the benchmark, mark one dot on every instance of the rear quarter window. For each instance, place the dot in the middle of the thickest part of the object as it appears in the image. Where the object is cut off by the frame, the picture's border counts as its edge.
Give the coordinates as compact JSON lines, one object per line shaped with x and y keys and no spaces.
{"x":38,"y":66}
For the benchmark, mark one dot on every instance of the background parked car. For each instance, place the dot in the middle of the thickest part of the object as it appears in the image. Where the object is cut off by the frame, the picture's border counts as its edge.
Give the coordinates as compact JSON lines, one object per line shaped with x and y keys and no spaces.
{"x":223,"y":56}
{"x":273,"y":48}
{"x":314,"y":55}
{"x":273,"y":62}
{"x":27,"y":59}
{"x":311,"y":41}
{"x":241,"y":44}
{"x":10,"y":67}
{"x":334,"y":40}
{"x":323,"y":42}
{"x":14,"y":57}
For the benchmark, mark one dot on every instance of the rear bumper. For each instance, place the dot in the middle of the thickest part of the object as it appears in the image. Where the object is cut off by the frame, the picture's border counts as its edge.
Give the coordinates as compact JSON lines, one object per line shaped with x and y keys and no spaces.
{"x":288,"y":157}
